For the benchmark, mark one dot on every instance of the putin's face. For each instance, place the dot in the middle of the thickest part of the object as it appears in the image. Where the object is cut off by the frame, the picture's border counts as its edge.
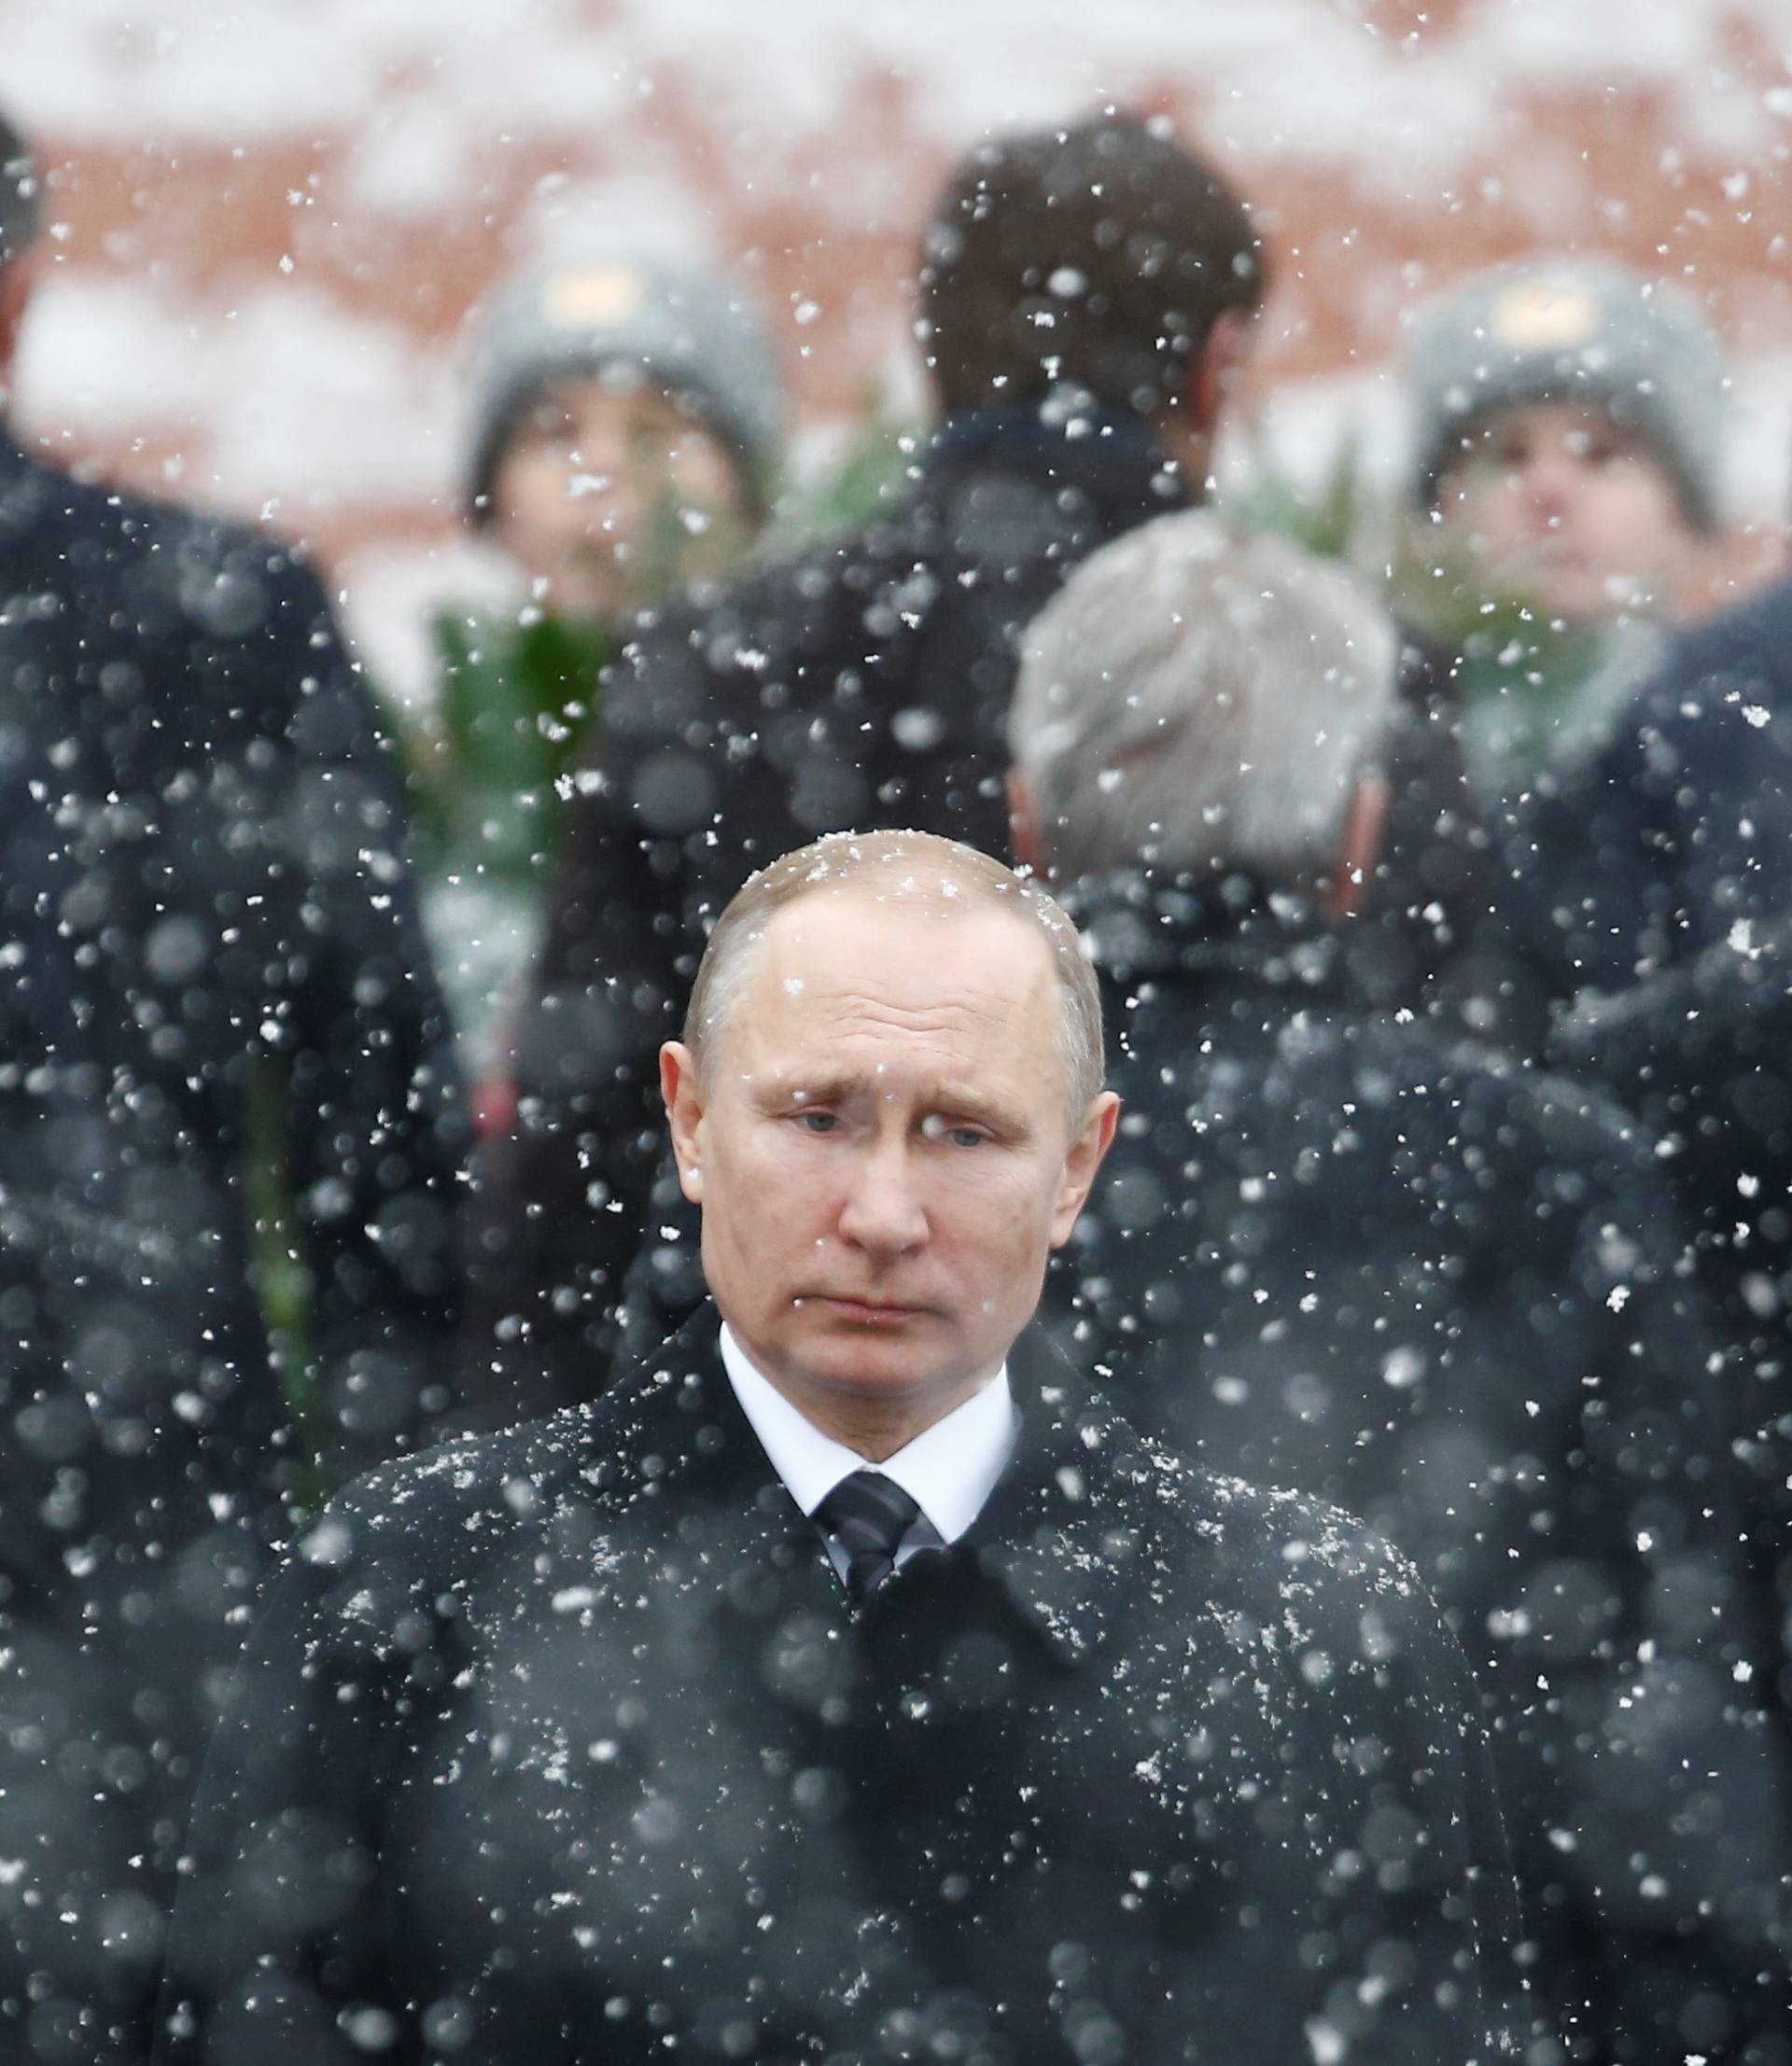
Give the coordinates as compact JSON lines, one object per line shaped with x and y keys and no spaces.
{"x":882,"y":1144}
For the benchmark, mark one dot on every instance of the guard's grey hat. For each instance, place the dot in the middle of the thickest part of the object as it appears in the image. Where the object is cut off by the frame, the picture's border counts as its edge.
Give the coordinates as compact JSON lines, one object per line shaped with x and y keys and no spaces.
{"x":1571,"y":329}
{"x":19,"y":194}
{"x":692,"y":333}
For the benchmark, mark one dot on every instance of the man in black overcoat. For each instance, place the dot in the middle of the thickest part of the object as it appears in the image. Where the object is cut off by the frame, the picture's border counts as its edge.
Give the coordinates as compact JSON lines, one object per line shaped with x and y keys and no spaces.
{"x":1673,"y":866}
{"x":849,"y":1683}
{"x":1335,"y":1252}
{"x":216,"y":1006}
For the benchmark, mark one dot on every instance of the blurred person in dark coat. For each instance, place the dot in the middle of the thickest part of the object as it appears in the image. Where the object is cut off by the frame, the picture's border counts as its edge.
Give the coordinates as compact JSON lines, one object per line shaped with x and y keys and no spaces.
{"x":1680,"y":901}
{"x":1568,"y":438}
{"x":849,"y":1681}
{"x":1087,"y":296}
{"x":1336,"y":1253}
{"x":210,"y":972}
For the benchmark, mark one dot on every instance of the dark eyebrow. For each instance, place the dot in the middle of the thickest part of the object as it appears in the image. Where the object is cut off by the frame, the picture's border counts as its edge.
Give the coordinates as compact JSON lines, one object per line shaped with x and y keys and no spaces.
{"x":815,"y":1090}
{"x":957,"y":1099}
{"x":964,"y":1103}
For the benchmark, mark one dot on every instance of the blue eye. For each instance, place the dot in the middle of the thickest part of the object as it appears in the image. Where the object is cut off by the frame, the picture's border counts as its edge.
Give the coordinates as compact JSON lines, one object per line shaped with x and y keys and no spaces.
{"x":936,"y":1128}
{"x":817,"y":1122}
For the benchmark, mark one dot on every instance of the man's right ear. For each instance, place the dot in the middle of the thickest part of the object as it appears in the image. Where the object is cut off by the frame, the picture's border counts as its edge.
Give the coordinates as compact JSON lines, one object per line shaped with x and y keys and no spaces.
{"x":1023,"y":824}
{"x":1218,"y":366}
{"x":1359,"y":848}
{"x":683,"y":1094}
{"x":16,"y":278}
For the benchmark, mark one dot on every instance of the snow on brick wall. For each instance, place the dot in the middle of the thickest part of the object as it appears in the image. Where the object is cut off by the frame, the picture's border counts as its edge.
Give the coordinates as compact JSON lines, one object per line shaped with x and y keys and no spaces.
{"x":270,"y":216}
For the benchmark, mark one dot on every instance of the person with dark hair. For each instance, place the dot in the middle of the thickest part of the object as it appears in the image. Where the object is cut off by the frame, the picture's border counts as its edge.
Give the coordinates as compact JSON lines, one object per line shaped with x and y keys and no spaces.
{"x":219,"y":1033}
{"x":1085,"y":295}
{"x":852,"y":1683}
{"x":1103,"y":257}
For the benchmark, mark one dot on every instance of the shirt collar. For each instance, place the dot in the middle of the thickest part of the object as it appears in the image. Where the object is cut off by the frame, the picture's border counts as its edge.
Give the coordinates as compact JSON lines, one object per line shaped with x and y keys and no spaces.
{"x":950,"y":1470}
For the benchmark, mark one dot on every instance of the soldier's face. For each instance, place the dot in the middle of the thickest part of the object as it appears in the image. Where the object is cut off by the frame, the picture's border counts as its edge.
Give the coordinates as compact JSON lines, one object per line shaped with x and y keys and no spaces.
{"x":1562,"y":508}
{"x":610,"y":497}
{"x":882,"y":1145}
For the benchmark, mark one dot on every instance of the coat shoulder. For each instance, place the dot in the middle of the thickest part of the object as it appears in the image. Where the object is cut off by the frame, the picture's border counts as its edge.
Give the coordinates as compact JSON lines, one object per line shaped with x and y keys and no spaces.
{"x":1715,"y":705}
{"x":1751,"y":640}
{"x":435,"y":1512}
{"x":1483,"y":1115}
{"x":780,"y":614}
{"x":44,"y":503}
{"x":1288,"y":1562}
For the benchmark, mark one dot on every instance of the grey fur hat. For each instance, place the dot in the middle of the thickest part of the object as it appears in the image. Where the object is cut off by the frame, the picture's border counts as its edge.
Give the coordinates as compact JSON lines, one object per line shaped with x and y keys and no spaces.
{"x":692,"y":333}
{"x":1571,"y":329}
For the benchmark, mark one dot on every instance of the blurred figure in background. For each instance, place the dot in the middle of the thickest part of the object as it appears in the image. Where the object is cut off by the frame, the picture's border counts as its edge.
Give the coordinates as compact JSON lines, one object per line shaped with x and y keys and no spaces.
{"x":629,"y":418}
{"x":1394,"y":1273}
{"x":1681,"y":895}
{"x":1569,"y":421}
{"x":1086,"y":295}
{"x":1573,"y":420}
{"x":219,"y":1025}
{"x":624,"y":449}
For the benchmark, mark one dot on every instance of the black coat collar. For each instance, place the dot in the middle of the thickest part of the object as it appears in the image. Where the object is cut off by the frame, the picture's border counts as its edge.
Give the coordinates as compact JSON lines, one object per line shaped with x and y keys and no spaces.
{"x":1063,"y":1531}
{"x":1140,"y":927}
{"x":1110,"y":457}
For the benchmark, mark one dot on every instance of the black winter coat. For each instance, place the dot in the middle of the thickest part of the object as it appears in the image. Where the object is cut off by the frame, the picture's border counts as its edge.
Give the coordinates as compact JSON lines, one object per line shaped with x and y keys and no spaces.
{"x":1679,"y":881}
{"x":565,"y":1747}
{"x":1686,"y":820}
{"x":864,"y":685}
{"x":1336,"y":1254}
{"x":202,"y":889}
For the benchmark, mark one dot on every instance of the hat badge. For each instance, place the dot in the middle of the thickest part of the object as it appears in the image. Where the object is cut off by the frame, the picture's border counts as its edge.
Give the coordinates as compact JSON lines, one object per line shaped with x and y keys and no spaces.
{"x":1543,"y":315}
{"x":598,"y":296}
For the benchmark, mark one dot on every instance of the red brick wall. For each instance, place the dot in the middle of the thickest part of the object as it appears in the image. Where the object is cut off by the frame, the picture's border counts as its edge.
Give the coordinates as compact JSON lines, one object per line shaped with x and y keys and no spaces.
{"x":271,"y":215}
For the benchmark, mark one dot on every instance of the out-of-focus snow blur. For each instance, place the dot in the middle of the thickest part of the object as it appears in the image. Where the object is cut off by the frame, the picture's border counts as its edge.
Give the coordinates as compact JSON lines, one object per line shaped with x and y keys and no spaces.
{"x":272,"y":219}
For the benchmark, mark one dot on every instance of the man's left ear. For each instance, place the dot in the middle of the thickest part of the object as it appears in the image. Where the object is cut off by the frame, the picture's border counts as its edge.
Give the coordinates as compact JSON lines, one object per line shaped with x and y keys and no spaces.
{"x":1082,"y":1161}
{"x":18,"y":277}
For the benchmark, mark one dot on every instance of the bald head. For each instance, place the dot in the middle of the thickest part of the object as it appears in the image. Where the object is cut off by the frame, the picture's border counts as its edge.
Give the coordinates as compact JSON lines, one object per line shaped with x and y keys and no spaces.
{"x":918,"y":877}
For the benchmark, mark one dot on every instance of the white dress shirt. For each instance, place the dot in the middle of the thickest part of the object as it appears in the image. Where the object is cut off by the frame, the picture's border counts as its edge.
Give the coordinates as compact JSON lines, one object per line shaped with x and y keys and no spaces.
{"x":950,"y":1470}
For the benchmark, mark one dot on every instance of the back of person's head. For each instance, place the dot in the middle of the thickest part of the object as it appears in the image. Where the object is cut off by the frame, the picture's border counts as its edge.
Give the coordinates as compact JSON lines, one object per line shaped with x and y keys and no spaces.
{"x":1098,"y":257}
{"x":19,"y":194}
{"x":1197,"y":699}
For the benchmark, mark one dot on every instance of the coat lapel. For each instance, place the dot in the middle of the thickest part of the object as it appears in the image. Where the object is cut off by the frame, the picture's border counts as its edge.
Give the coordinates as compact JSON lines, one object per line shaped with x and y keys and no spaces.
{"x":1066,"y":1530}
{"x":683,"y":1434}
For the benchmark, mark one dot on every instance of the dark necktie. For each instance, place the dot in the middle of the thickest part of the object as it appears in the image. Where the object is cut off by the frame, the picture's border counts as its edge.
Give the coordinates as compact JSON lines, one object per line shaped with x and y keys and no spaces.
{"x":867,"y":1514}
